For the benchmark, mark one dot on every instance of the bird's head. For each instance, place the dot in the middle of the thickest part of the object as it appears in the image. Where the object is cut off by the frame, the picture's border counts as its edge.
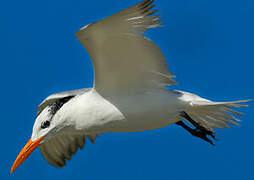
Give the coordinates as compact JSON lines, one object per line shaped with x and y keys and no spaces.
{"x":47,"y":125}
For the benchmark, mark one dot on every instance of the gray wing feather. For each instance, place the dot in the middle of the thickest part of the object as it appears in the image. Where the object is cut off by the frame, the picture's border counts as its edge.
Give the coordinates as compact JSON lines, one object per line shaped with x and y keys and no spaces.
{"x":123,"y":59}
{"x":61,"y":147}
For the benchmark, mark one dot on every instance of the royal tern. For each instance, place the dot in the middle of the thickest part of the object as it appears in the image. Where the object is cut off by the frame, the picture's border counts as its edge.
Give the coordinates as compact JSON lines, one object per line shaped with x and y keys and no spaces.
{"x":129,"y":92}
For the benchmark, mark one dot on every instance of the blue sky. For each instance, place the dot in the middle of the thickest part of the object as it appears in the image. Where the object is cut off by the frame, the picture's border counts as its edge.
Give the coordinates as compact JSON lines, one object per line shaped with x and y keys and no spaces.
{"x":208,"y":46}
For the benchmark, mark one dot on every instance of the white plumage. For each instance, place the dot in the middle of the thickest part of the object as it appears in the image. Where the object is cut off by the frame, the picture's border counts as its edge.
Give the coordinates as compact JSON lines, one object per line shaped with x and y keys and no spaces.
{"x":129,"y":91}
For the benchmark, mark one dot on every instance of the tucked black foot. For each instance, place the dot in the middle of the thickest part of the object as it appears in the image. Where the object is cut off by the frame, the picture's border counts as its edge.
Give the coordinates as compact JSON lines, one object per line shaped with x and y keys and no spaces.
{"x":202,"y":135}
{"x":197,"y":125}
{"x":200,"y":131}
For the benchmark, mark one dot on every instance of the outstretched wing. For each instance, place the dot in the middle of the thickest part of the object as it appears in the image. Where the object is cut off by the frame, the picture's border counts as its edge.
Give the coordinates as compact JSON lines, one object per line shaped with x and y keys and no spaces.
{"x":123,"y":59}
{"x":61,"y":147}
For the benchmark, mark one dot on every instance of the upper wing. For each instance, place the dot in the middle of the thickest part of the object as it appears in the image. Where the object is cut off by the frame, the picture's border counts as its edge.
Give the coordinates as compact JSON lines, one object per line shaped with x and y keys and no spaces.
{"x":123,"y":59}
{"x":54,"y":97}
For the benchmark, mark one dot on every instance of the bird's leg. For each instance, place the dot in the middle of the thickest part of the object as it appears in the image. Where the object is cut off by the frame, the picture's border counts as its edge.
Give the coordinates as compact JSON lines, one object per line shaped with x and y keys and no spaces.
{"x":195,"y":132}
{"x":200,"y":131}
{"x":197,"y":125}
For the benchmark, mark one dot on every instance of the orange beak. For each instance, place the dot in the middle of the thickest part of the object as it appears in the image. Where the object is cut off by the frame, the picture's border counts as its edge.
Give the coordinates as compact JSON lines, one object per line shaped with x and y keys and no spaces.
{"x":25,"y":152}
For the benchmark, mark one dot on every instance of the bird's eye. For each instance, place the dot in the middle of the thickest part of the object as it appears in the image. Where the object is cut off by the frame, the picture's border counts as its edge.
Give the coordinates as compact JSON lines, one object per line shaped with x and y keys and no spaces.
{"x":45,"y":124}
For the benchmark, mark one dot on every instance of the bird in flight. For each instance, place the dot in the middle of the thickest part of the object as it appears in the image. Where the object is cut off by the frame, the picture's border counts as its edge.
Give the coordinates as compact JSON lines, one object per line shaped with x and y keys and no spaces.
{"x":129,"y":93}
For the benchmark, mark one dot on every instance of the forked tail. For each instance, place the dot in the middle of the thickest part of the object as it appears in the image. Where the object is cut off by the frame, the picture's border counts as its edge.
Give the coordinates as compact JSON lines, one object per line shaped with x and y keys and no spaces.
{"x":216,"y":114}
{"x":205,"y":115}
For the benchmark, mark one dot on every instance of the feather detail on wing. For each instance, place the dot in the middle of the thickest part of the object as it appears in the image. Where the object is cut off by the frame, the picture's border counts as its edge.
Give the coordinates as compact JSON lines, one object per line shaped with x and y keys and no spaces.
{"x":135,"y":20}
{"x":61,"y":147}
{"x":123,"y":59}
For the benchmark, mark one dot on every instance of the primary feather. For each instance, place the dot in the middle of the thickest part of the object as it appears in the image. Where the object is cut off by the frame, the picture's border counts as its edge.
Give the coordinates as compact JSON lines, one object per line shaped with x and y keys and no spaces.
{"x":116,"y":45}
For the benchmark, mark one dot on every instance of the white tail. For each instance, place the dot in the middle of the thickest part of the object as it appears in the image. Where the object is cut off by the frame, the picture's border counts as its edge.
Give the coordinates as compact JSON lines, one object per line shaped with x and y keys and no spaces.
{"x":216,"y":114}
{"x":212,"y":114}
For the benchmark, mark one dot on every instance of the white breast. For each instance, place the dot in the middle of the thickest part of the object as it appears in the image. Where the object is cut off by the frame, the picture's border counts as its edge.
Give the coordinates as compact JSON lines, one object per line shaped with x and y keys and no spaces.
{"x":89,"y":112}
{"x":92,"y":113}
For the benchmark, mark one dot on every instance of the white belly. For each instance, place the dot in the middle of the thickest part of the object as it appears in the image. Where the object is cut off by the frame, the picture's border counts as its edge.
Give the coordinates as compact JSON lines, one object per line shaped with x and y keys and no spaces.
{"x":124,"y":113}
{"x":147,"y":110}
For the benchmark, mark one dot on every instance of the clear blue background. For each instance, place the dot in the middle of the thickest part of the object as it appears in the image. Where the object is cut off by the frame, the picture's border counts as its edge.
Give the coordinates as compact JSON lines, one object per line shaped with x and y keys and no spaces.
{"x":208,"y":46}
